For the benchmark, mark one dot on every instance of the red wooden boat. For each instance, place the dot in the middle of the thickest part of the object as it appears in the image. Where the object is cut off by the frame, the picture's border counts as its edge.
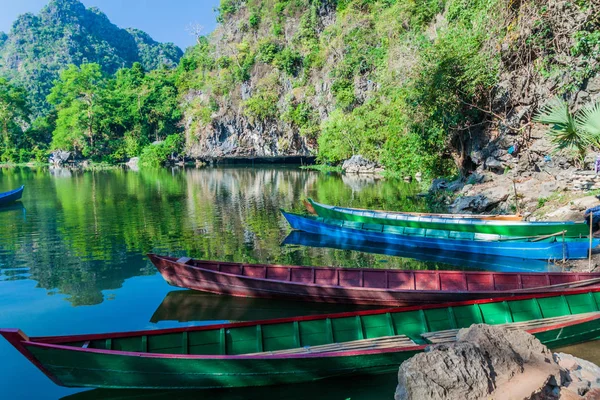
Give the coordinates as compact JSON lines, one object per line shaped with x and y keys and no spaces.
{"x":359,"y":285}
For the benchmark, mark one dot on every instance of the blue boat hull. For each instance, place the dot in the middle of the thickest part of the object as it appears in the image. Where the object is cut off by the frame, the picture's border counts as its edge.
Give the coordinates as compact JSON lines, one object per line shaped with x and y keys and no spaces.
{"x":11,"y":197}
{"x":541,"y":250}
{"x":473,"y":261}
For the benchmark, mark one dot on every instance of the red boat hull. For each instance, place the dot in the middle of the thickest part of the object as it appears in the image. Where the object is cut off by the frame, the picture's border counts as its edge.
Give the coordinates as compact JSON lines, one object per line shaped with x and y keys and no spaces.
{"x":359,"y":286}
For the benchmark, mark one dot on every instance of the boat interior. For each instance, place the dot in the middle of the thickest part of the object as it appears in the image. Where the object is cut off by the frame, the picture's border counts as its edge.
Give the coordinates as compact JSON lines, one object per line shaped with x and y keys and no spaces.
{"x":339,"y":332}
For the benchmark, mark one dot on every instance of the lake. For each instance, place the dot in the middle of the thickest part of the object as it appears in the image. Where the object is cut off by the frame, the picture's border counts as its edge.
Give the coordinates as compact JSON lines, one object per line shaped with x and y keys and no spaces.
{"x":72,"y":258}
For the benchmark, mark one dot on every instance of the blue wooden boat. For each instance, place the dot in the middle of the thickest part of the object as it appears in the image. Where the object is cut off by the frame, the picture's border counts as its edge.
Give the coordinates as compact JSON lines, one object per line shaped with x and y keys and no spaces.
{"x":11,"y":197}
{"x":475,"y":261}
{"x":539,"y":248}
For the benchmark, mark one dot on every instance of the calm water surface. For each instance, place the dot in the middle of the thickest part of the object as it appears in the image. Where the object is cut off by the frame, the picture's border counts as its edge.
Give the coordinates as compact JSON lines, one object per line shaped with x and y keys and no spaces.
{"x":72,"y":258}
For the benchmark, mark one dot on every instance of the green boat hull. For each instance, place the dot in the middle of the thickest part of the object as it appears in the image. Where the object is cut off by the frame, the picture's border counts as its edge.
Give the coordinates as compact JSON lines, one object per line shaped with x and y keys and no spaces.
{"x":504,"y":228}
{"x":245,"y":354}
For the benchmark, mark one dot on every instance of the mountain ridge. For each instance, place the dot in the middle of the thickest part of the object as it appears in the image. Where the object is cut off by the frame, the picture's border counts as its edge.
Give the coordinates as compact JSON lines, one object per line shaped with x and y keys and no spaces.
{"x":65,"y":32}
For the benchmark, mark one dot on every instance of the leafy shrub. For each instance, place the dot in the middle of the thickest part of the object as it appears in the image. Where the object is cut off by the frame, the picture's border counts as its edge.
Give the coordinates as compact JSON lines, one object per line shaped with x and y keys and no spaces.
{"x":254,"y":20}
{"x":267,"y":51}
{"x":155,"y":155}
{"x":288,"y":61}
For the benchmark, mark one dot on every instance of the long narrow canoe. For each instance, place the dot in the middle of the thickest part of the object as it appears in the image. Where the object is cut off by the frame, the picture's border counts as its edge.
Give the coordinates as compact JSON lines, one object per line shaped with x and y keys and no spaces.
{"x":363,"y":286}
{"x":11,"y":197}
{"x":299,"y":349}
{"x":507,"y":228}
{"x":462,"y":261}
{"x":498,"y":217}
{"x":551,"y":248}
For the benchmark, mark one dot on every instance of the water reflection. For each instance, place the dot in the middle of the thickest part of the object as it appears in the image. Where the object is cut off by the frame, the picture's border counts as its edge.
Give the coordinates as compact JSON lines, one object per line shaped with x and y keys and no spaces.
{"x":86,"y":232}
{"x":431,"y":260}
{"x":189,"y":305}
{"x":357,"y":388}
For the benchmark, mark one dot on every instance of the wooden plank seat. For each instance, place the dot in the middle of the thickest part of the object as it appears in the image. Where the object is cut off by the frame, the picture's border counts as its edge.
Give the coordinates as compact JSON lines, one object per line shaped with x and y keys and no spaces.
{"x":384,"y":342}
{"x":450,"y":334}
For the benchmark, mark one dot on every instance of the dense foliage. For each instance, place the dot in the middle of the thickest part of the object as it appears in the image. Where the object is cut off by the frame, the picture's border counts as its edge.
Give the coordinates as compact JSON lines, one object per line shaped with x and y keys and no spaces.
{"x":38,"y":47}
{"x":403,"y":82}
{"x":395,"y":91}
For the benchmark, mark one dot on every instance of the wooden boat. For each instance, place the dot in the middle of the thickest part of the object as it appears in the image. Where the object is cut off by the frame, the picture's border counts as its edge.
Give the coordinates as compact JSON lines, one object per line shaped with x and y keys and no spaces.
{"x":357,"y":388}
{"x":539,"y":248}
{"x":299,"y":349}
{"x":453,"y":260}
{"x":497,"y":227}
{"x":11,"y":197}
{"x":364,"y":286}
{"x":504,"y":217}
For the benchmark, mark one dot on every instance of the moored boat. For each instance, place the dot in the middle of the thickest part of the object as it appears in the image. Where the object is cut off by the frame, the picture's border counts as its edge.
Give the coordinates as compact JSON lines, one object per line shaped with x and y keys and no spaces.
{"x":11,"y":196}
{"x":364,"y":286}
{"x":491,"y":217}
{"x":497,"y":227}
{"x":540,"y":248}
{"x":450,"y":260}
{"x":299,"y":349}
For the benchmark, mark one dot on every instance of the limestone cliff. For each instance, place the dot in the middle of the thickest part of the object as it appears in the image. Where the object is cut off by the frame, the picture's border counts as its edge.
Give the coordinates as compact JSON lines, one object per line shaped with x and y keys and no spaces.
{"x":436,"y":86}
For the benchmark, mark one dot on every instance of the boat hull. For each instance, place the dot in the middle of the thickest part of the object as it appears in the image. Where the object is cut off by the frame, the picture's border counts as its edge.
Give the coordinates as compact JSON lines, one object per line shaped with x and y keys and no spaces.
{"x":541,"y":250}
{"x":507,"y":228}
{"x":360,"y":286}
{"x":12,"y":196}
{"x":96,"y":369}
{"x":298,"y":349}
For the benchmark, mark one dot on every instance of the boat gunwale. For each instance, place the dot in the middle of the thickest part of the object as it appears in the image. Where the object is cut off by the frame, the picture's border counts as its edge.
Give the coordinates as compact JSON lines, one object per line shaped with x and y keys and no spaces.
{"x":367,"y":289}
{"x":483,"y":217}
{"x":501,"y":238}
{"x":117,"y":335}
{"x":11,"y":192}
{"x":378,"y":214}
{"x":32,"y":342}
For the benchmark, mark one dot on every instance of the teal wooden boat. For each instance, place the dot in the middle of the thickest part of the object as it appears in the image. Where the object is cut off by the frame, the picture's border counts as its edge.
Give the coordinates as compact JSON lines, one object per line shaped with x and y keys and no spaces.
{"x":298,"y":349}
{"x":538,"y":248}
{"x":476,"y":225}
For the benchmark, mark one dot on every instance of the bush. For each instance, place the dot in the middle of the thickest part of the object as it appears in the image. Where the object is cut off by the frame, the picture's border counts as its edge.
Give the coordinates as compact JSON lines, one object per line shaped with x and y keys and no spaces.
{"x":288,"y":61}
{"x":156,"y":155}
{"x":267,"y":51}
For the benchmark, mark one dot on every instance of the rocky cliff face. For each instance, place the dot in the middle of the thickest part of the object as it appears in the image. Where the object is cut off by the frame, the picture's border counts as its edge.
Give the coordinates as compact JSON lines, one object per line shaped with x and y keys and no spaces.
{"x":282,"y":77}
{"x":233,"y":129}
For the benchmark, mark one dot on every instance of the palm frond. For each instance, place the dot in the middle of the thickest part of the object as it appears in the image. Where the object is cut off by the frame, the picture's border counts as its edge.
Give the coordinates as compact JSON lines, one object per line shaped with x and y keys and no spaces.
{"x":556,"y":112}
{"x":588,"y":120}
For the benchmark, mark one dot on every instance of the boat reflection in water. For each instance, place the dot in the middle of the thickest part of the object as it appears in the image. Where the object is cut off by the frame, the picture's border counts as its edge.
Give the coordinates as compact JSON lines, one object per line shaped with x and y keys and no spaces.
{"x":451,"y":259}
{"x":191,"y":305}
{"x":357,"y":388}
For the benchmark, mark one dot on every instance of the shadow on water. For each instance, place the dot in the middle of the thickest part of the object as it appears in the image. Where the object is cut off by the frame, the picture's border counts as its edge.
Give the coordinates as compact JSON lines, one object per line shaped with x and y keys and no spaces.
{"x":444,"y":260}
{"x":189,"y":305}
{"x":358,"y":388}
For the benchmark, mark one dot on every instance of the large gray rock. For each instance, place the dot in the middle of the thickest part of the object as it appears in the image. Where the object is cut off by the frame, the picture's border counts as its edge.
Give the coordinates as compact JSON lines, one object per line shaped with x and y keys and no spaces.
{"x":485,"y":362}
{"x":59,"y":157}
{"x":134,"y":163}
{"x":357,"y":164}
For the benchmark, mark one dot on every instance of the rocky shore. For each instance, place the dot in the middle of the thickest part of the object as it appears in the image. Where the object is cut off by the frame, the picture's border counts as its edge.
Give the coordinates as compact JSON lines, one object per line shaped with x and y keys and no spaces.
{"x":490,"y":362}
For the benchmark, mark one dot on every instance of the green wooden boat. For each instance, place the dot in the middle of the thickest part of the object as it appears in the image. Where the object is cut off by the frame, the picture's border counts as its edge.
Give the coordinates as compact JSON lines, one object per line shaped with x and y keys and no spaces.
{"x":476,"y":225}
{"x":298,"y":349}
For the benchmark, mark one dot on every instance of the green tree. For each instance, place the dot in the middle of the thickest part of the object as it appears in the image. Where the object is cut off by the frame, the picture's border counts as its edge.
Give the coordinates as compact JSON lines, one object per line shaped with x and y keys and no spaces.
{"x":14,"y":118}
{"x":77,"y":96}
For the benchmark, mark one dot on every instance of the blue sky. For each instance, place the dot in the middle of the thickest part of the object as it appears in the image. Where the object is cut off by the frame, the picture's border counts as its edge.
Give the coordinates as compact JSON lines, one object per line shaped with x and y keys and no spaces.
{"x":164,"y":20}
